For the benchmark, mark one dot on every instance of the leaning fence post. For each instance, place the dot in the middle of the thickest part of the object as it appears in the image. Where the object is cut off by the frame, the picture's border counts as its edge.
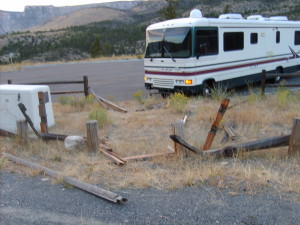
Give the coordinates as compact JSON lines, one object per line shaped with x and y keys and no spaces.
{"x":215,"y":126}
{"x":92,"y":136}
{"x":294,"y":145}
{"x":86,"y":86}
{"x":22,"y":131}
{"x":263,"y":81}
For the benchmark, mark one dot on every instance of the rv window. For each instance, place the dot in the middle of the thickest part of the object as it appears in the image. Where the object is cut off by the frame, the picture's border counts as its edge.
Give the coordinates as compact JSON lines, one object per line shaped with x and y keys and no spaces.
{"x":297,"y":37}
{"x":233,"y":41}
{"x":154,"y":39}
{"x":277,"y":37}
{"x":253,"y":38}
{"x":169,"y":43}
{"x":207,"y":42}
{"x":177,"y":42}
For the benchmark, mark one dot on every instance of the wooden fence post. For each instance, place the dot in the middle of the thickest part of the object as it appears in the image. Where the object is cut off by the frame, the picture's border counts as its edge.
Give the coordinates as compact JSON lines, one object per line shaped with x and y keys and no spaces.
{"x":178,"y":129}
{"x":294,"y":145}
{"x":22,"y":132}
{"x":263,"y":82}
{"x":43,"y":98}
{"x":214,"y":128}
{"x":92,"y":136}
{"x":86,"y":86}
{"x":9,"y":81}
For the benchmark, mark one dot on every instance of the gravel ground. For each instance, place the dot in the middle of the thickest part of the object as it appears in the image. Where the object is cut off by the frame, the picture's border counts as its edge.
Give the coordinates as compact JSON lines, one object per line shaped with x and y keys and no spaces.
{"x":34,"y":200}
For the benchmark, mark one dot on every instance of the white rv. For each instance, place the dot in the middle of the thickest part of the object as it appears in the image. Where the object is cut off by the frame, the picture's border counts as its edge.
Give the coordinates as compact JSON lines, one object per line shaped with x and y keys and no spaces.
{"x":192,"y":55}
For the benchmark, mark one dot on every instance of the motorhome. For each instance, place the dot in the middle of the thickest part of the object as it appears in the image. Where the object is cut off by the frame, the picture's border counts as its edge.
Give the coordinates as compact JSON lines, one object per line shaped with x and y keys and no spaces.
{"x":193,"y":55}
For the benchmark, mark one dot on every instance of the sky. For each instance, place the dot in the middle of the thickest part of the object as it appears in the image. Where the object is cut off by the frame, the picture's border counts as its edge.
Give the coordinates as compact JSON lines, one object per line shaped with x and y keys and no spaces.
{"x":18,"y":5}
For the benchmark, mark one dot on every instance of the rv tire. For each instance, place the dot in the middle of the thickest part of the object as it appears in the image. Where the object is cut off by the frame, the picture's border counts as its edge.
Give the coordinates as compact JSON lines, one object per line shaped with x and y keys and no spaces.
{"x":278,"y":71}
{"x":207,"y":88}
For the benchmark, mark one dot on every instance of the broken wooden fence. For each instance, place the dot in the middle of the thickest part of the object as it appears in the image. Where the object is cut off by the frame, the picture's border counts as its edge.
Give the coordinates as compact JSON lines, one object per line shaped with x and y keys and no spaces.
{"x":265,"y":77}
{"x":84,"y":81}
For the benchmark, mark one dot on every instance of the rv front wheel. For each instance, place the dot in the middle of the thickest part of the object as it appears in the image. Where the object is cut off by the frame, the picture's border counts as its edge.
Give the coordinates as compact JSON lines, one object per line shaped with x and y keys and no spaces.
{"x":207,"y":88}
{"x":278,"y":71}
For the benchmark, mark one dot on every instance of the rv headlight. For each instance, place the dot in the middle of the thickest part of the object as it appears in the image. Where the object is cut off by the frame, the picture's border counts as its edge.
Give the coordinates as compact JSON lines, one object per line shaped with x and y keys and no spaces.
{"x":148,"y":79}
{"x":179,"y":81}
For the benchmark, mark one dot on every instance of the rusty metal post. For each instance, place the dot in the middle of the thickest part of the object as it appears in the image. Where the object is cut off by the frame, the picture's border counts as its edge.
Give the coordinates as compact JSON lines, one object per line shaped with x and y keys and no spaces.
{"x":86,"y":86}
{"x":214,"y":128}
{"x":263,"y":82}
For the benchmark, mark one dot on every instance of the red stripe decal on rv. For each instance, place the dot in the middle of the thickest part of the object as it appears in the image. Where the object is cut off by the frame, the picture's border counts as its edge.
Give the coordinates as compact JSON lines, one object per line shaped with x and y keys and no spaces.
{"x":214,"y":70}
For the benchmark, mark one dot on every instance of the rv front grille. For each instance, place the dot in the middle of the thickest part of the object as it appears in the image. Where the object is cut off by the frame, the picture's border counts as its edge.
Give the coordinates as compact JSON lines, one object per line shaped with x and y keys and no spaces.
{"x":163,"y":83}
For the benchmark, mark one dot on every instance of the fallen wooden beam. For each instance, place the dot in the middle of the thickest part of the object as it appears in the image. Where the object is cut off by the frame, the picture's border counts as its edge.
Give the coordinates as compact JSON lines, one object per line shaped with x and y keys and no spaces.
{"x":44,"y":136}
{"x":177,"y":139}
{"x":139,"y":157}
{"x":106,"y":102}
{"x":93,"y":189}
{"x":229,"y":133}
{"x":55,"y":137}
{"x":29,"y":121}
{"x":7,"y":133}
{"x":112,"y":155}
{"x":266,"y":143}
{"x":229,"y":151}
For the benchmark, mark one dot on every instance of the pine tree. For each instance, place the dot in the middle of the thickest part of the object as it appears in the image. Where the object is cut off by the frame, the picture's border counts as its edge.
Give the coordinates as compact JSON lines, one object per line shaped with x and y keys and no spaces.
{"x":96,"y":49}
{"x":169,"y":12}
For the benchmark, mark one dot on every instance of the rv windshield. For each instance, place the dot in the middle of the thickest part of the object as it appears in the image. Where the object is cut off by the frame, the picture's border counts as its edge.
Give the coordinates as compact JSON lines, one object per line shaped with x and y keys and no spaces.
{"x":169,"y":43}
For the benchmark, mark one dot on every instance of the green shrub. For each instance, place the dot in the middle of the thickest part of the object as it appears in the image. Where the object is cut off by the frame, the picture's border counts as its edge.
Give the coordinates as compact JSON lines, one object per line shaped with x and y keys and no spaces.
{"x":64,"y":100}
{"x":219,"y":93}
{"x":100,"y":115}
{"x":283,"y":96}
{"x":178,"y":102}
{"x":77,"y":102}
{"x":138,"y":96}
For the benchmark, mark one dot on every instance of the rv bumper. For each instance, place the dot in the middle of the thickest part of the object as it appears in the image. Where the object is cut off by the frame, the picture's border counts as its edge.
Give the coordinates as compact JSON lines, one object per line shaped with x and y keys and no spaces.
{"x":190,"y":90}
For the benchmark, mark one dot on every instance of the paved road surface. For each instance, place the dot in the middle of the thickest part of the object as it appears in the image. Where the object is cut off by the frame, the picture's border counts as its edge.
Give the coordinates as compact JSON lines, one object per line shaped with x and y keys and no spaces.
{"x":120,"y":79}
{"x":34,"y":201}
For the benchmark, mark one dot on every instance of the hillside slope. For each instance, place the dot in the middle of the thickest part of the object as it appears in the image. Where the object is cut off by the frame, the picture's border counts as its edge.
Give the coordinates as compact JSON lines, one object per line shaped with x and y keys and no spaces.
{"x":38,"y":15}
{"x":81,"y":17}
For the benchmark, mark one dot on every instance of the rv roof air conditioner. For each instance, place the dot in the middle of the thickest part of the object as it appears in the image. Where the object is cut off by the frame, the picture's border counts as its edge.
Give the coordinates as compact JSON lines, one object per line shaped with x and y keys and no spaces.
{"x":279,"y":18}
{"x":195,"y":13}
{"x":230,"y":16}
{"x":255,"y":17}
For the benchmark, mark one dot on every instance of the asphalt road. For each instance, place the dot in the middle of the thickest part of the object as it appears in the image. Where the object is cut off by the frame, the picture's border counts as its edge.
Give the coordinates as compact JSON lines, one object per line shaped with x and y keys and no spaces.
{"x":119,"y":79}
{"x":35,"y":200}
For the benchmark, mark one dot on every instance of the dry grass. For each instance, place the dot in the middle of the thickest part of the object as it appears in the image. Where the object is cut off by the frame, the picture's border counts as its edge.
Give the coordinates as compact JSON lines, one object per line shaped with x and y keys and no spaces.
{"x":146,"y":132}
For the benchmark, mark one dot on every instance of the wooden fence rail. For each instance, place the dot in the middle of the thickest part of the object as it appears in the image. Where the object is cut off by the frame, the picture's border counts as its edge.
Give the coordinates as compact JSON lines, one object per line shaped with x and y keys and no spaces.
{"x":85,"y":83}
{"x":266,"y":76}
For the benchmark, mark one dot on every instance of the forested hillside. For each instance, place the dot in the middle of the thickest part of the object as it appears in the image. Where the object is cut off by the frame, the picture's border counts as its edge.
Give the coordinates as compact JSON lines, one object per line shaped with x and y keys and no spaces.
{"x":126,"y":35}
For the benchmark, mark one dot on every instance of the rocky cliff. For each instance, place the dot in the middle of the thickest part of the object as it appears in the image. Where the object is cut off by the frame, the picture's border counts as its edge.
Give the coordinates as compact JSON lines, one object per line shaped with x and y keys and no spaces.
{"x":37,"y":15}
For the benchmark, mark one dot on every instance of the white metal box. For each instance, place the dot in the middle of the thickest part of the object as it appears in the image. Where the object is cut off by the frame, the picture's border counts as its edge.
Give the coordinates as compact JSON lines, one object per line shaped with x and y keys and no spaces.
{"x":12,"y":95}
